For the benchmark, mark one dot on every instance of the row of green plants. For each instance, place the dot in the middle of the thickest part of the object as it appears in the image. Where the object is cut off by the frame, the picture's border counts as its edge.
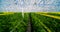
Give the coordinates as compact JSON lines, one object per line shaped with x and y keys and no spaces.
{"x":13,"y":23}
{"x":54,"y":14}
{"x":42,"y":23}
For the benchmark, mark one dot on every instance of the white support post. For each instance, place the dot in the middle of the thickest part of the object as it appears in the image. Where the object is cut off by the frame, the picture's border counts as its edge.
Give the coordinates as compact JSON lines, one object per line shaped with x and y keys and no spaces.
{"x":22,"y":13}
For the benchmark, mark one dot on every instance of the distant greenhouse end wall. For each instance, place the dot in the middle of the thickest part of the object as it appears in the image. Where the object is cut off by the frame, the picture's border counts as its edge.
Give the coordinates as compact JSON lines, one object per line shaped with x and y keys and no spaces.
{"x":30,"y":5}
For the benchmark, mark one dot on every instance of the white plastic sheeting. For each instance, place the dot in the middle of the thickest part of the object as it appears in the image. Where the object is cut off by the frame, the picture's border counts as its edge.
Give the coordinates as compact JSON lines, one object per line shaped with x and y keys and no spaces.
{"x":29,"y":5}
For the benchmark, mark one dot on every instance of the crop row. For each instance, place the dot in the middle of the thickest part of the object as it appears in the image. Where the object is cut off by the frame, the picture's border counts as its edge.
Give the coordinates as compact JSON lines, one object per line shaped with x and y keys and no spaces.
{"x":13,"y":23}
{"x":42,"y":23}
{"x":54,"y":14}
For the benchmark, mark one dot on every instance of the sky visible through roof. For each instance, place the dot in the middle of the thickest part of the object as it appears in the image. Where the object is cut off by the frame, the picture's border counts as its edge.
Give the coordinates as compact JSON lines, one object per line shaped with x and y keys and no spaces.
{"x":30,"y":5}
